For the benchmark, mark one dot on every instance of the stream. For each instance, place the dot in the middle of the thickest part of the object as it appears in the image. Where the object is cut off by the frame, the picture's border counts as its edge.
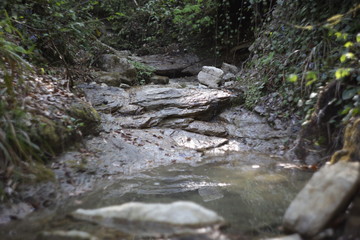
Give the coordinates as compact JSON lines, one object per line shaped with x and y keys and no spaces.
{"x":251,"y":191}
{"x":165,"y":143}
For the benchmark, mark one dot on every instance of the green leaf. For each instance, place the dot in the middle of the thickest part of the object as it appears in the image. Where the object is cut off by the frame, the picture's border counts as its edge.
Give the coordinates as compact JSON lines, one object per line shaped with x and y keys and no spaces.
{"x":349,"y":93}
{"x":348,"y":44}
{"x":342,"y":72}
{"x":8,"y":29}
{"x":358,"y":38}
{"x":346,"y":56}
{"x":311,"y":77}
{"x":292,"y":78}
{"x":346,"y":110}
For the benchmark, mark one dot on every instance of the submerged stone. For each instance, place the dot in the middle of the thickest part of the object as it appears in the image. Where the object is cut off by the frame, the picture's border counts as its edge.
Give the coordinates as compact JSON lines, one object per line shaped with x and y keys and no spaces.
{"x":153,"y":219}
{"x":197,"y":141}
{"x":328,"y":192}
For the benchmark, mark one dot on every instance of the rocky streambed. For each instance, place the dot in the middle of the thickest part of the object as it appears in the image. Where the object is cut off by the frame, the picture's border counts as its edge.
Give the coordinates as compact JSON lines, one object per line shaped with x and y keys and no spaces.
{"x":184,"y":140}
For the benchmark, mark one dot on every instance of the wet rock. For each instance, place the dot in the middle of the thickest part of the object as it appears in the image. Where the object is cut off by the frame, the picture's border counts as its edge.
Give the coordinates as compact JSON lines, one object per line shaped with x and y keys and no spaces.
{"x":197,"y":141}
{"x":66,"y":235}
{"x":156,"y":103}
{"x":115,"y":64}
{"x":207,"y":128}
{"x":229,"y":68}
{"x":245,"y":124}
{"x":159,"y":79}
{"x":180,"y":102}
{"x":153,"y":219}
{"x":168,"y":65}
{"x":328,"y":192}
{"x":210,"y":76}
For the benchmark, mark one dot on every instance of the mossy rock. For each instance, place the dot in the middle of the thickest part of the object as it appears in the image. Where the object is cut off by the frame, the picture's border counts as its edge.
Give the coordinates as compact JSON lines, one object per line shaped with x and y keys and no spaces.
{"x":86,"y":117}
{"x":351,"y":149}
{"x":49,"y":134}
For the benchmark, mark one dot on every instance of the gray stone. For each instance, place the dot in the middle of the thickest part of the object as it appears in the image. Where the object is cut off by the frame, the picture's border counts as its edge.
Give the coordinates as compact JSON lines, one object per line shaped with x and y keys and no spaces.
{"x":109,"y":78}
{"x":210,"y":76}
{"x":152,"y":219}
{"x":159,"y":79}
{"x":192,"y":70}
{"x":207,"y":128}
{"x":179,"y":101}
{"x":228,"y":77}
{"x":328,"y":192}
{"x":229,"y":68}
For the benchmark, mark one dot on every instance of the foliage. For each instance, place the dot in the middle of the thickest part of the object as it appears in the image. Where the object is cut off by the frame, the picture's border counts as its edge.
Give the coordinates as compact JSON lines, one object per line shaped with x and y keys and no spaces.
{"x":216,"y":24}
{"x":144,"y":72}
{"x":309,"y":53}
{"x":72,"y":27}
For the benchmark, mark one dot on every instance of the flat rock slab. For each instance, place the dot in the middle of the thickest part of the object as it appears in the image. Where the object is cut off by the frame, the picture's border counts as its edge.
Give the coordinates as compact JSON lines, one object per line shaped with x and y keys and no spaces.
{"x":328,"y":192}
{"x":152,"y":219}
{"x":155,"y":97}
{"x":168,"y":65}
{"x":148,"y":106}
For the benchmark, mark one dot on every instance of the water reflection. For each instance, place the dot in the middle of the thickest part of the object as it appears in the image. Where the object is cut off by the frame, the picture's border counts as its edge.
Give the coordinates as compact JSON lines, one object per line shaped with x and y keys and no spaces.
{"x":250,"y":191}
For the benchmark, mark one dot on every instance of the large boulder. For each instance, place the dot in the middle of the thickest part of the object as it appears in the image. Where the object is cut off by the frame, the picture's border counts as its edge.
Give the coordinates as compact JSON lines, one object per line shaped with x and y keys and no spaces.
{"x":210,"y":76}
{"x":327,"y":193}
{"x":152,"y":219}
{"x":125,"y":71}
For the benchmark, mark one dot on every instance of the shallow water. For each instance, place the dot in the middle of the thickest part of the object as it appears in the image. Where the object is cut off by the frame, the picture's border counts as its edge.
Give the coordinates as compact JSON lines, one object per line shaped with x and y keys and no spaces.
{"x":251,"y":191}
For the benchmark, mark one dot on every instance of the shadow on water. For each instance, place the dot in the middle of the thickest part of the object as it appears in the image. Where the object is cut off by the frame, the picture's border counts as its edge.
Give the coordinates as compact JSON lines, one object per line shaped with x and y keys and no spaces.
{"x":251,"y":191}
